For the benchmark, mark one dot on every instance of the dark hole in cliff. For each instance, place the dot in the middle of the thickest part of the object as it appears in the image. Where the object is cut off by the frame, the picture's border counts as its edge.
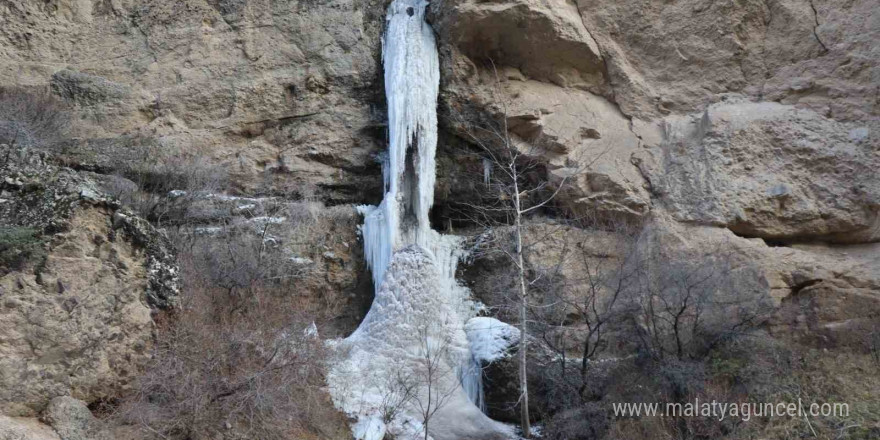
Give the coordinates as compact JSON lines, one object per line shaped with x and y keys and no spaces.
{"x":104,"y":407}
{"x":797,"y":288}
{"x":775,"y":243}
{"x":410,"y":11}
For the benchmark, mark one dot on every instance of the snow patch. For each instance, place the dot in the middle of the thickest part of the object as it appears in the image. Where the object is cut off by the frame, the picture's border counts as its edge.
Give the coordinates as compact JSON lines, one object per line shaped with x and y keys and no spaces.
{"x":490,"y":339}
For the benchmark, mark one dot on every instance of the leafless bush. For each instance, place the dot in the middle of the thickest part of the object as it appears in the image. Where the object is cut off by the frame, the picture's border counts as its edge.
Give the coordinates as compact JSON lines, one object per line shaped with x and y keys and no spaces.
{"x":260,"y":373}
{"x":241,"y":354}
{"x":686,"y":305}
{"x":156,"y":173}
{"x":398,"y":392}
{"x":871,"y":340}
{"x":583,"y":422}
{"x":31,"y":118}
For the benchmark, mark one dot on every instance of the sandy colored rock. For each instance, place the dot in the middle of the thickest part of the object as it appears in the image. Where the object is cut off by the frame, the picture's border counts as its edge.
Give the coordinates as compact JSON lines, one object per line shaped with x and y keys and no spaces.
{"x":540,"y":39}
{"x":70,"y":418}
{"x":282,"y":94}
{"x":20,"y":428}
{"x":767,"y":170}
{"x":679,"y":57}
{"x":75,"y":313}
{"x":81,"y":326}
{"x":825,"y":295}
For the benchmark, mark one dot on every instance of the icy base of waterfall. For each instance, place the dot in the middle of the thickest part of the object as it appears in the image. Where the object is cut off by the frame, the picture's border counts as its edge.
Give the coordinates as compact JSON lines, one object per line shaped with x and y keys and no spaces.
{"x":412,"y":310}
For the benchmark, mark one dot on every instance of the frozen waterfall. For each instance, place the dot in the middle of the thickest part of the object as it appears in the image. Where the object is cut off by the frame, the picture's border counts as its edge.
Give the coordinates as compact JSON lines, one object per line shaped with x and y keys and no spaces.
{"x":412,"y":80}
{"x":418,"y":303}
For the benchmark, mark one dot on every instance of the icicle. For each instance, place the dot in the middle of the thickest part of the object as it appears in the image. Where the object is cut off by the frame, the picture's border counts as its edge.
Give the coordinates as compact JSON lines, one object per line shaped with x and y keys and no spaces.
{"x":471,"y":378}
{"x":487,"y":171}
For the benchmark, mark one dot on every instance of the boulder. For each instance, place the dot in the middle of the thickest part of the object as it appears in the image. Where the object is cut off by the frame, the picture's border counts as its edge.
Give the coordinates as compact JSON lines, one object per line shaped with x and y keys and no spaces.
{"x":70,"y":418}
{"x":19,"y":428}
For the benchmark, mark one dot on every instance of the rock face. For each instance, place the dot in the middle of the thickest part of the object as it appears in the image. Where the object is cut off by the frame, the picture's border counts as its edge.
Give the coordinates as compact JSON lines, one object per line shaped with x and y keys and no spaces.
{"x":768,"y":170}
{"x":679,"y":57}
{"x":70,"y":418}
{"x":756,"y":116}
{"x":826,"y":295}
{"x":282,"y":94}
{"x":75,"y":315}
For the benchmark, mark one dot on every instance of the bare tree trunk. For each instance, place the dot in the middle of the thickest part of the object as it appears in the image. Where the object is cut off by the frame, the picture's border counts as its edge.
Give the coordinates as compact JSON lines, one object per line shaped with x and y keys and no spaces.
{"x":523,"y":307}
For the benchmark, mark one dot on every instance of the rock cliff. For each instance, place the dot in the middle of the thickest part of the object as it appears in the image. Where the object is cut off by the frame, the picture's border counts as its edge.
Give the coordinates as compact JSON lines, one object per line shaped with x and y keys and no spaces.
{"x":80,"y":276}
{"x":751,"y":126}
{"x":286,"y":95}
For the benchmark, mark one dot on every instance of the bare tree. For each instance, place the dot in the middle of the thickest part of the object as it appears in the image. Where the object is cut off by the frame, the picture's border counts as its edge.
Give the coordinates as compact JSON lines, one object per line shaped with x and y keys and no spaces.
{"x":399,"y":390}
{"x":592,"y":294}
{"x":433,"y":374}
{"x":686,"y":305}
{"x":517,"y":186}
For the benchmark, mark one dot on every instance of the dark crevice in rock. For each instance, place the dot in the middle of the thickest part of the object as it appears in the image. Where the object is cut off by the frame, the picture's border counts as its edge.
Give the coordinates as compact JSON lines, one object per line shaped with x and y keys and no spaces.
{"x":775,"y":243}
{"x":815,"y":33}
{"x":797,"y":288}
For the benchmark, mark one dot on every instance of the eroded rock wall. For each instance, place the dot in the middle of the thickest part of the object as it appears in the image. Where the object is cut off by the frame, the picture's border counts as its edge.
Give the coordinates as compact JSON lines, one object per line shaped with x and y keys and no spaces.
{"x":286,"y":95}
{"x":77,"y":293}
{"x":756,"y":116}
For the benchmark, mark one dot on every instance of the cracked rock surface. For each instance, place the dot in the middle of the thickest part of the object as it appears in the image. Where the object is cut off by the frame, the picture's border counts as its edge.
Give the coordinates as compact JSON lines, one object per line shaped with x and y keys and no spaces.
{"x":75,"y":314}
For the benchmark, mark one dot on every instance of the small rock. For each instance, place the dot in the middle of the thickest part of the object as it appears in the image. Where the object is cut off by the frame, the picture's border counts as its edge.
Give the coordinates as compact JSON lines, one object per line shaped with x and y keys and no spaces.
{"x":70,"y":417}
{"x":89,"y":194}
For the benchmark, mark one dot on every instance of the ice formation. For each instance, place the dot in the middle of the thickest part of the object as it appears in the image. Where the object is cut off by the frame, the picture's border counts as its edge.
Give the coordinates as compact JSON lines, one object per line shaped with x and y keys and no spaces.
{"x":411,"y":309}
{"x":418,"y":304}
{"x":489,"y":338}
{"x":487,"y":171}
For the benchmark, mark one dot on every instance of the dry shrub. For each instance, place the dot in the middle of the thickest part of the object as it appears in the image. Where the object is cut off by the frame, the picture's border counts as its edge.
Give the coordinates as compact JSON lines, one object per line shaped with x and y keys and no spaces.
{"x":240,"y":356}
{"x":753,"y":369}
{"x":31,"y":118}
{"x":155,"y":173}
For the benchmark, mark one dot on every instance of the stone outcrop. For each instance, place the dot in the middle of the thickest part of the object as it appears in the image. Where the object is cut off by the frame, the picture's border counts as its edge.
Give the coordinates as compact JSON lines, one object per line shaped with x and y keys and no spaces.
{"x":767,"y":170}
{"x":540,"y":39}
{"x":679,"y":57}
{"x":70,"y":418}
{"x":826,"y":295}
{"x":668,"y":101}
{"x":75,"y":314}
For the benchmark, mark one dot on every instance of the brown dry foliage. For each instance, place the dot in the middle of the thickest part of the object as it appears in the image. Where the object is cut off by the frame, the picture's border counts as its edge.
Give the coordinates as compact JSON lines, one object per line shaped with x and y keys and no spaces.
{"x":31,"y":117}
{"x":238,"y":357}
